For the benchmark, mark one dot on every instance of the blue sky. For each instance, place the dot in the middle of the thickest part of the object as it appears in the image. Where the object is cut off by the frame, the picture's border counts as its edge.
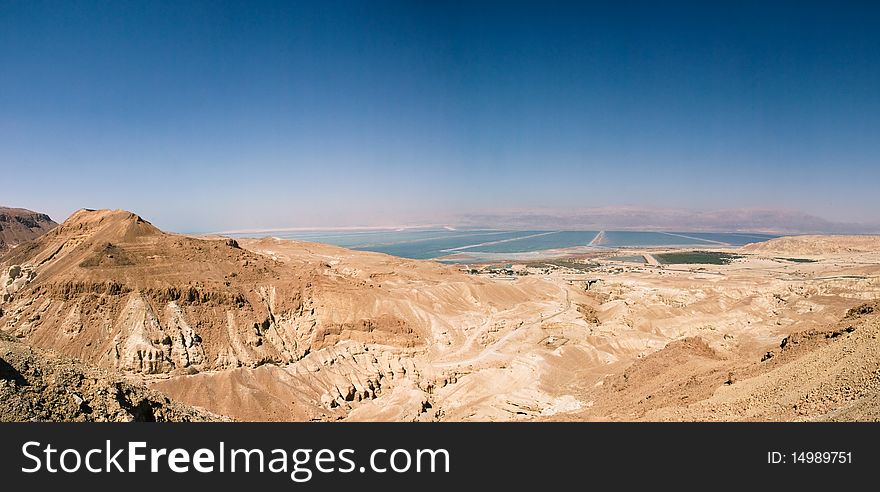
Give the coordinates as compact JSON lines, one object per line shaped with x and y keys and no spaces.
{"x":208,"y":116}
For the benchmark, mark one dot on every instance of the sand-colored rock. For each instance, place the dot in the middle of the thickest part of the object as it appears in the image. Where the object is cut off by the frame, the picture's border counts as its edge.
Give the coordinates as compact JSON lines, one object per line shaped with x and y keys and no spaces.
{"x":37,"y":385}
{"x":19,"y":225}
{"x":831,"y":373}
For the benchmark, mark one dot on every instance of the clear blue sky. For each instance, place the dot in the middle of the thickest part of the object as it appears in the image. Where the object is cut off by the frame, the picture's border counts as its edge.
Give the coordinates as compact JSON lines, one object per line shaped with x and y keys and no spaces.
{"x":207,"y":116}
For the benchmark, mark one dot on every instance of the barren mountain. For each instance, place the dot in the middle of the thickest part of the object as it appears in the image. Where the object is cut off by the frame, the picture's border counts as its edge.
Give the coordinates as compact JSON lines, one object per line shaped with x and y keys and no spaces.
{"x":816,"y":245}
{"x":18,"y":225}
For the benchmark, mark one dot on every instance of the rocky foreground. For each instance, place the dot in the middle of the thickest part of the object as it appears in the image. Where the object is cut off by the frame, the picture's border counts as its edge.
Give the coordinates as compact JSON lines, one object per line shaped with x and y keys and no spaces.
{"x":41,"y":386}
{"x":831,"y":373}
{"x":270,"y":329}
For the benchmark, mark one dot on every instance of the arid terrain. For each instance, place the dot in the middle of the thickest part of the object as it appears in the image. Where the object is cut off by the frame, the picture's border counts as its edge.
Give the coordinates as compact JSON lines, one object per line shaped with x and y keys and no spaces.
{"x":270,"y":329}
{"x":18,"y":225}
{"x":40,"y":386}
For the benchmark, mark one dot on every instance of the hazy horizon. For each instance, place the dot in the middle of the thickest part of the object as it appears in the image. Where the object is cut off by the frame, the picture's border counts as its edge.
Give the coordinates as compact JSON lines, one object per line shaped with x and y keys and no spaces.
{"x":783,"y":222}
{"x":221,"y":116}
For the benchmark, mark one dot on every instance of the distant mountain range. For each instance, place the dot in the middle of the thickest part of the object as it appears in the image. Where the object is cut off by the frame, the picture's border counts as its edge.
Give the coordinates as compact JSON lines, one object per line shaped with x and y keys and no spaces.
{"x":650,"y":219}
{"x":18,"y":225}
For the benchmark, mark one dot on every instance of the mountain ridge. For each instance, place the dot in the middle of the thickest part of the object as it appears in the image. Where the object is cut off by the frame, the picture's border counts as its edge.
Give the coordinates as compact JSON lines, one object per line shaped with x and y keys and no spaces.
{"x":20,"y":225}
{"x":663,"y":219}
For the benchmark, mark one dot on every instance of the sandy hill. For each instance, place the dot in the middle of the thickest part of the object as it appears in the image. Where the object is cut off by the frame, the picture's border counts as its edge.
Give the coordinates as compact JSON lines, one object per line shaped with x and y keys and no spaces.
{"x":830,"y":373}
{"x":816,"y":245}
{"x":18,"y":225}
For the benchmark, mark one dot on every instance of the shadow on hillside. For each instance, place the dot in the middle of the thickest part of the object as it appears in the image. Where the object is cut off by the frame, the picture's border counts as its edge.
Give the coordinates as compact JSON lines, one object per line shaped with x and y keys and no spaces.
{"x":10,"y":373}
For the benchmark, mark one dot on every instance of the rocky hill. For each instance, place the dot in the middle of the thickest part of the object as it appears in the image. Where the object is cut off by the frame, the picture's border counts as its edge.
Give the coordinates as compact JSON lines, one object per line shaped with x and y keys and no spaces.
{"x":816,"y":245}
{"x":41,"y":386}
{"x":110,"y":288}
{"x":830,"y":373}
{"x":18,"y":225}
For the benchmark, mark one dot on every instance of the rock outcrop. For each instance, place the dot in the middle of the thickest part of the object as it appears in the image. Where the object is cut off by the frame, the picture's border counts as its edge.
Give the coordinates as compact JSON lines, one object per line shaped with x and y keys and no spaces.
{"x":36,"y":385}
{"x":18,"y":225}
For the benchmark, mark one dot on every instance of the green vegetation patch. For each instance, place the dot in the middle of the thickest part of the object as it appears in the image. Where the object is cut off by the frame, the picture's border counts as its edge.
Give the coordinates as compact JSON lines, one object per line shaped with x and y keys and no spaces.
{"x":563,"y":263}
{"x":798,"y":260}
{"x":696,"y":257}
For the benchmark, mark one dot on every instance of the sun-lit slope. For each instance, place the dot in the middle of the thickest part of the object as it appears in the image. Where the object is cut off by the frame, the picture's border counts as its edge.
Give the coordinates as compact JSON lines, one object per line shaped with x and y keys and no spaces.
{"x":108,"y":287}
{"x":816,"y":245}
{"x":462,"y":318}
{"x":439,"y":298}
{"x":38,"y":385}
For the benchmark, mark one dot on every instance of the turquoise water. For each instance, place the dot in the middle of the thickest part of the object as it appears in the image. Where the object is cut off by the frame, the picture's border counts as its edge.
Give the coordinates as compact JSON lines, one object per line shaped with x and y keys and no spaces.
{"x":437,"y":243}
{"x":539,"y":241}
{"x":450,"y":242}
{"x":619,"y":239}
{"x":732,"y":239}
{"x":623,"y":239}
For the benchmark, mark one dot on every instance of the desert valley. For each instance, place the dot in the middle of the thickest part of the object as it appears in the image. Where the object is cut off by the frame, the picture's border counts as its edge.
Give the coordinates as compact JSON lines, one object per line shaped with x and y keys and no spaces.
{"x":106,"y":317}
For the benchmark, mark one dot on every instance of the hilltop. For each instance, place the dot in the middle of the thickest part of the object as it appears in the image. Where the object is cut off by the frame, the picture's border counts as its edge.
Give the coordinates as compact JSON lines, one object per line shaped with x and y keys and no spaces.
{"x":816,"y":245}
{"x":36,"y":385}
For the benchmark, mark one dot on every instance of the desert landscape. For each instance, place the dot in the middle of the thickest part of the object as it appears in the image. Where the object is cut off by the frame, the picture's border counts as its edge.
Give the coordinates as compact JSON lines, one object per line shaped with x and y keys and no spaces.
{"x":106,"y":317}
{"x":398,"y":244}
